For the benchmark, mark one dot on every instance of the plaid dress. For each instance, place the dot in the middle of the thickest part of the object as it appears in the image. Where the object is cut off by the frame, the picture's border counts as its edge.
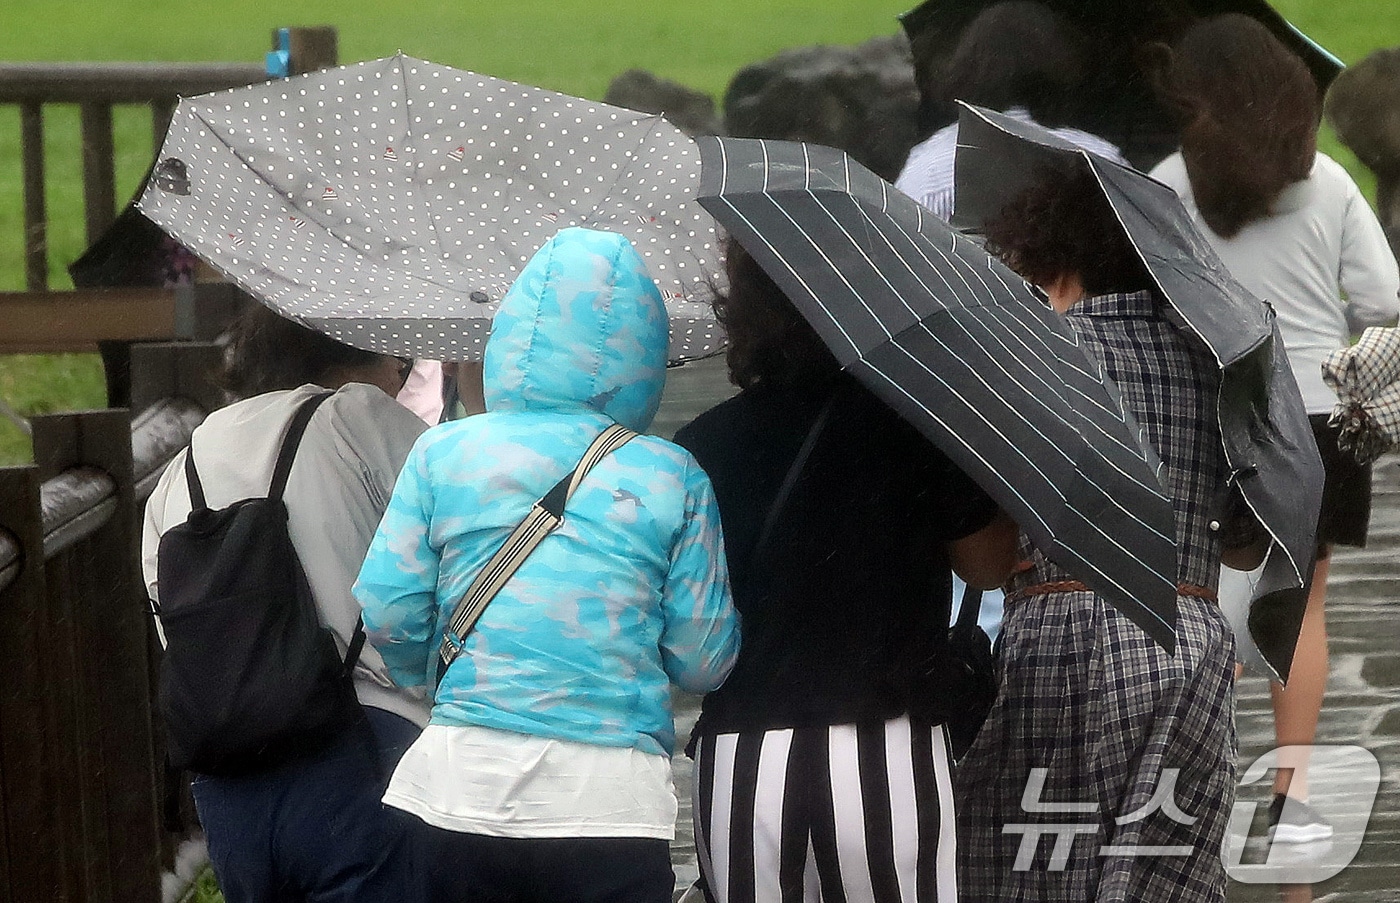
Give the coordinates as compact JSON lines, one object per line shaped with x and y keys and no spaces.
{"x":1121,"y":755}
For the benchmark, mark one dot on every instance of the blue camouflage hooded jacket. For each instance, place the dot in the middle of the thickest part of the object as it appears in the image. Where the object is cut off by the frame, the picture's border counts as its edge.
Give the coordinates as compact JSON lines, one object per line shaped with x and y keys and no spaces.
{"x":631,"y":592}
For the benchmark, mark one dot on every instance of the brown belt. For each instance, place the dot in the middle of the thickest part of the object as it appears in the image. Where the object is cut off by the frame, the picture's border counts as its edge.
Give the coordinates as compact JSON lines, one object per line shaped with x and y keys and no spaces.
{"x":1076,"y":586}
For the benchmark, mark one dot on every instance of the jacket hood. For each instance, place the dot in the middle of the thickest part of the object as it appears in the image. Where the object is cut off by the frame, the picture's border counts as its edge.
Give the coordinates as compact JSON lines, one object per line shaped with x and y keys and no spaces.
{"x":582,"y":329}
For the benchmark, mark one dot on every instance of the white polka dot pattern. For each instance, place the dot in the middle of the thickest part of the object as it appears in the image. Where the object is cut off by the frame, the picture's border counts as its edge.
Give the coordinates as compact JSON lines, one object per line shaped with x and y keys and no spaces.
{"x":391,"y":203}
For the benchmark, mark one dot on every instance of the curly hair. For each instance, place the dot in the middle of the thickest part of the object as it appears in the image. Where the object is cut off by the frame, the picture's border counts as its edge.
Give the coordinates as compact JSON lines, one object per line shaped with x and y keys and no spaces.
{"x":770,"y":343}
{"x":267,"y":352}
{"x":1248,"y":111}
{"x":1064,"y":224}
{"x":1017,"y":54}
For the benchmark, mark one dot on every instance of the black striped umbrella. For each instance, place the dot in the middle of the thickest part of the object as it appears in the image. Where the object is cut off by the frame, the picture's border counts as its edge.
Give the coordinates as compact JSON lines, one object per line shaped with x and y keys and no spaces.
{"x":962,"y":348}
{"x":1267,"y":438}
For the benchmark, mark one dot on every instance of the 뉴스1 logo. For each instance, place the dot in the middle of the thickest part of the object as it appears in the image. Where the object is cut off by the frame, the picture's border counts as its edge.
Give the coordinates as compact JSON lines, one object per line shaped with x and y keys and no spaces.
{"x":1342,"y":785}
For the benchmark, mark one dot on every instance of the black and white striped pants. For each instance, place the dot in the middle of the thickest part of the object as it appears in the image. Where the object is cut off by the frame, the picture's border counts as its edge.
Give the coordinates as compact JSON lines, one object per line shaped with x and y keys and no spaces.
{"x":842,"y":814}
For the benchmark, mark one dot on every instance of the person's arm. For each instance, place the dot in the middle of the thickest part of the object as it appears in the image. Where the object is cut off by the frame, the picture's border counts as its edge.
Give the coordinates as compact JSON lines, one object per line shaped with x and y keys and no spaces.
{"x":397,"y":586}
{"x":155,"y":522}
{"x":986,"y":558}
{"x":700,"y":640}
{"x":1367,"y":273}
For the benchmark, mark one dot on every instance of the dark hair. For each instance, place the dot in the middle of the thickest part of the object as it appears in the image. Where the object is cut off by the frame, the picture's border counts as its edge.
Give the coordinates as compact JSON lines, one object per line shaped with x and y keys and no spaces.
{"x":1064,"y":224}
{"x":267,"y":352}
{"x":1017,"y":54}
{"x":770,"y":344}
{"x":1248,"y":112}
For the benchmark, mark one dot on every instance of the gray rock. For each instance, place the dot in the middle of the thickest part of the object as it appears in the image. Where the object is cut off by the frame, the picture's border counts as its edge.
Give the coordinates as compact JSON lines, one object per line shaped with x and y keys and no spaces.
{"x":861,"y":99}
{"x":1363,"y":105}
{"x":690,"y":111}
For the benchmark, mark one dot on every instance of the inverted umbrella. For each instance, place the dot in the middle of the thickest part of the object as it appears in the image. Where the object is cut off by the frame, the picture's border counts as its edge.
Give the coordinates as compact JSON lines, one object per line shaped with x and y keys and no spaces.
{"x":1366,"y":378}
{"x":964,"y":350}
{"x":390,"y":204}
{"x":1268,"y":441}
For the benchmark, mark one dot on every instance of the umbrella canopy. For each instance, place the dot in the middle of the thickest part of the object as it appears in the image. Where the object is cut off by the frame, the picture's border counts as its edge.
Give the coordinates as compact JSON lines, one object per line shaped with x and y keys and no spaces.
{"x":391,"y":204}
{"x":1366,"y":378}
{"x":966,"y":351}
{"x":1268,"y":441}
{"x":1117,"y":102}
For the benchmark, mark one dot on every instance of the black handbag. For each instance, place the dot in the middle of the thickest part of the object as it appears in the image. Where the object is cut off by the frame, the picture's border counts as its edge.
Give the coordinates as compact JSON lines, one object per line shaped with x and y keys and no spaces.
{"x":969,"y":675}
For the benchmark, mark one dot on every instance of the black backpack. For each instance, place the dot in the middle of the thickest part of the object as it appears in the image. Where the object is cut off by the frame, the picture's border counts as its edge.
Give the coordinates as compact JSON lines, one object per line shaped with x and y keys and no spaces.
{"x":250,"y":677}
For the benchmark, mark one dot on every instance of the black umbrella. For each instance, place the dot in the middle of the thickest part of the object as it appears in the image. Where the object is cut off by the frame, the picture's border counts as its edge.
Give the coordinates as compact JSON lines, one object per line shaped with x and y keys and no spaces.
{"x":962,"y":348}
{"x":1117,"y":102}
{"x":1264,"y":426}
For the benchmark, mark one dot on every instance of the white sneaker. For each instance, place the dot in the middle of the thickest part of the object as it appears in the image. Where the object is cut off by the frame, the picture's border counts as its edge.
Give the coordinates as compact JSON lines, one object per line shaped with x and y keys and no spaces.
{"x":1294,"y":821}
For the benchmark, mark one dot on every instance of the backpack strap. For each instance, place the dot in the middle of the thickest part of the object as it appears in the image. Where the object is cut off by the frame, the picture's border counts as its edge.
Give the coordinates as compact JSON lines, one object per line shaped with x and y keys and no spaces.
{"x":288,"y":453}
{"x":357,"y":645}
{"x":544,"y":518}
{"x":196,"y":488}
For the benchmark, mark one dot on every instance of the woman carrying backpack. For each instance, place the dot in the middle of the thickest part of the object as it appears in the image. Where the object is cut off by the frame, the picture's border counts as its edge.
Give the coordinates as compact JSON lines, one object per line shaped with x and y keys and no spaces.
{"x":306,"y":823}
{"x":545,"y":772}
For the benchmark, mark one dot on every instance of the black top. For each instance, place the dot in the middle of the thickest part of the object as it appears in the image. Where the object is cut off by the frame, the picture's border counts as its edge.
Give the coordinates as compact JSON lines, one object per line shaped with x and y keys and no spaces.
{"x":845,"y":617}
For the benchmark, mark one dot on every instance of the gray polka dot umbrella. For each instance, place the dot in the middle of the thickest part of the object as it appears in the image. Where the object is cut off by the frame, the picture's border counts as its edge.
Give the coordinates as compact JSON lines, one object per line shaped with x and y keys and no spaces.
{"x":390,"y":204}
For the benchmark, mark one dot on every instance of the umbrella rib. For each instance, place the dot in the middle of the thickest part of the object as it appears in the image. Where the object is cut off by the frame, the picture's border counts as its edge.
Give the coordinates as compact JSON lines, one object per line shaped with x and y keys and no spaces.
{"x":1088,"y":521}
{"x":270,"y":185}
{"x":977,"y":375}
{"x":413,"y":178}
{"x":996,"y":307}
{"x":832,"y":265}
{"x":1026,"y":421}
{"x":1096,"y":377}
{"x":359,"y":256}
{"x":723,"y":168}
{"x":796,"y":275}
{"x":657,"y":121}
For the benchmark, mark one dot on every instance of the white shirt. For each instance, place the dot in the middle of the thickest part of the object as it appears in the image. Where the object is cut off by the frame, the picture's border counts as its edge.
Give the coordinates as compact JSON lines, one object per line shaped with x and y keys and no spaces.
{"x":479,"y":780}
{"x":927,"y":176}
{"x":340,"y":483}
{"x":1321,"y":255}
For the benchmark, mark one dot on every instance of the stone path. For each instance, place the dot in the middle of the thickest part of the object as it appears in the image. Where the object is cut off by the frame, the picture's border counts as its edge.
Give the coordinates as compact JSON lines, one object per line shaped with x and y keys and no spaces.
{"x":1362,"y":706}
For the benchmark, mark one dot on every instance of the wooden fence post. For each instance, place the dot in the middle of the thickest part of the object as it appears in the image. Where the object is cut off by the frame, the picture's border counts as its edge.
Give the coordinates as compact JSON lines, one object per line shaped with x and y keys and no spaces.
{"x":99,"y":168}
{"x":95,"y":586}
{"x":203,"y":311}
{"x":32,"y":849}
{"x":176,"y":370}
{"x":36,"y":218}
{"x":310,"y":48}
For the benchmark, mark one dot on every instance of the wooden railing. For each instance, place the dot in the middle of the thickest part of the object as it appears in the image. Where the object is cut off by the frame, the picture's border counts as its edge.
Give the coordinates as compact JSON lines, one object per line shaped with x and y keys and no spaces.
{"x":96,"y":88}
{"x":82,"y":782}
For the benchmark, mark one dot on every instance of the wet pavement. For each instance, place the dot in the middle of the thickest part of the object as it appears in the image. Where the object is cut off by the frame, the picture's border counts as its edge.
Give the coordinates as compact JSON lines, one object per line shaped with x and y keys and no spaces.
{"x":1362,"y":709}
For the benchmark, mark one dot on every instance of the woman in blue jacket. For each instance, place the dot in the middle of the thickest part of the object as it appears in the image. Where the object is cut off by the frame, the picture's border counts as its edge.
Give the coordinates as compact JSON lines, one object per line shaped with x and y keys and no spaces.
{"x":545,"y":771}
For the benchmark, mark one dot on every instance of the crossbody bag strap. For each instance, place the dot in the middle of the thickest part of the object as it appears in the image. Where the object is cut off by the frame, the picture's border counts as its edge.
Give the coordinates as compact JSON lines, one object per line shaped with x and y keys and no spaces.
{"x":790,"y":480}
{"x":544,"y":518}
{"x":970,"y":607}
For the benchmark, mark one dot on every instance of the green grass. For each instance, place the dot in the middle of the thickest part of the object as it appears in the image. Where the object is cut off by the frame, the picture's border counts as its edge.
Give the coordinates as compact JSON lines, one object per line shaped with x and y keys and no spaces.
{"x":575,"y":46}
{"x":206,"y":889}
